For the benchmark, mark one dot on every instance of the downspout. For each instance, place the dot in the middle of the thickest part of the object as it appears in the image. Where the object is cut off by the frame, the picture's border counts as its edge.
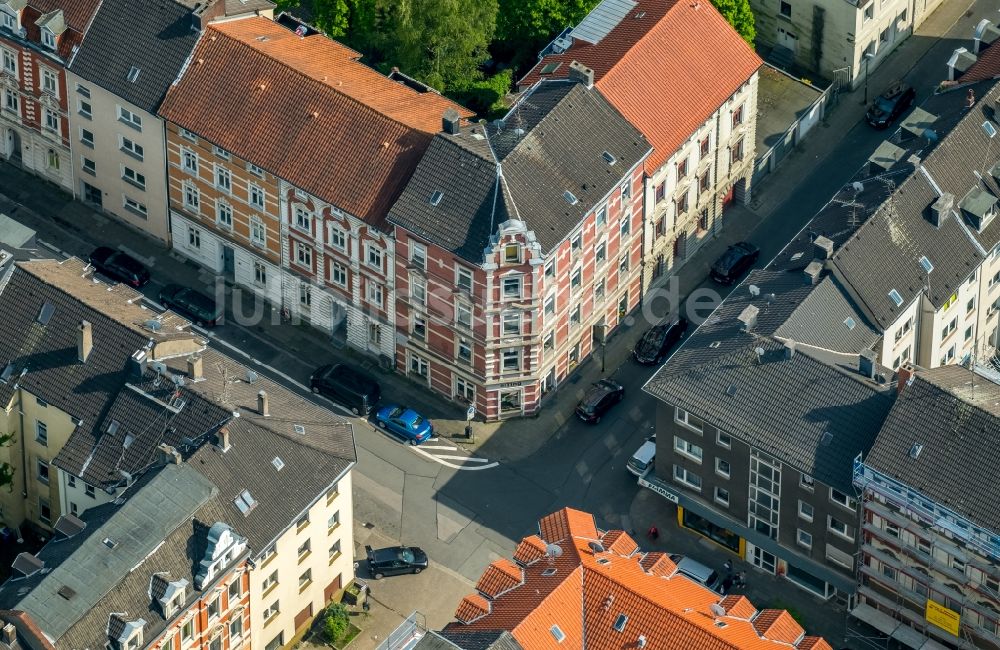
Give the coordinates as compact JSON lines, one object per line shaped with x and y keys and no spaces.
{"x":24,"y":453}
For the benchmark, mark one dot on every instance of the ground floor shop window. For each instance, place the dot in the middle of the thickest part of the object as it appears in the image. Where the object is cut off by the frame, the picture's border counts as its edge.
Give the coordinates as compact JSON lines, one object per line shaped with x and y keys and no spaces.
{"x":510,"y":401}
{"x":717,"y":534}
{"x":809,"y":582}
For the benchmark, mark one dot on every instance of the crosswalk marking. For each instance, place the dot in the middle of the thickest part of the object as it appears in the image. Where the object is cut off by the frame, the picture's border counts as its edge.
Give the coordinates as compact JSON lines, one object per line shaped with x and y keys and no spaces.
{"x":445,"y":447}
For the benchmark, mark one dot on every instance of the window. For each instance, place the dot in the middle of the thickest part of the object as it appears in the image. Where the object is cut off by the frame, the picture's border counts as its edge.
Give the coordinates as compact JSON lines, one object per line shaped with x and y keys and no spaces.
{"x":258,"y":231}
{"x":84,"y":108}
{"x":722,"y":496}
{"x":255,"y":170}
{"x":269,"y":582}
{"x":89,"y":491}
{"x":257,"y":196}
{"x":48,"y":39}
{"x":271,"y":612}
{"x":884,"y":36}
{"x":194,"y":237}
{"x":9,"y":61}
{"x":463,"y":314}
{"x":574,"y":316}
{"x":869,"y":11}
{"x":550,"y":305}
{"x":220,"y":152}
{"x":305,"y":548}
{"x":949,"y":328}
{"x":842,"y":499}
{"x":43,"y":471}
{"x":305,"y":300}
{"x":464,"y":349}
{"x":971,"y":305}
{"x":192,"y":197}
{"x":374,"y":293}
{"x":303,"y":254}
{"x":806,"y":482}
{"x":660,"y":192}
{"x":511,"y":254}
{"x":235,"y":589}
{"x":684,"y":418}
{"x":511,"y":360}
{"x":41,"y":432}
{"x":374,"y":256}
{"x":11,"y":102}
{"x":187,"y":135}
{"x":303,"y":219}
{"x":89,"y":166}
{"x":949,"y":355}
{"x":601,"y":254}
{"x":53,"y":159}
{"x":840,"y":528}
{"x":688,"y":478}
{"x":599,"y":290}
{"x":128,"y":117}
{"x":333,"y":521}
{"x":681,"y":203}
{"x":337,"y":238}
{"x":418,"y":291}
{"x":724,"y":440}
{"x":50,"y":82}
{"x":968,"y":333}
{"x":131,"y":148}
{"x":338,"y":274}
{"x":223,"y":179}
{"x":737,"y":152}
{"x":133,"y":177}
{"x":235,"y":628}
{"x":189,"y":161}
{"x":463,"y":279}
{"x":785,"y":9}
{"x":689,"y":449}
{"x":511,"y":324}
{"x":806,"y":511}
{"x":260,"y":274}
{"x":626,"y":191}
{"x":705,"y":182}
{"x":214,"y":607}
{"x":550,"y":269}
{"x":334,"y":551}
{"x":187,"y":631}
{"x":419,"y":366}
{"x":602,"y":215}
{"x":804,"y":539}
{"x":576,"y":280}
{"x":224,"y":214}
{"x":722,"y":467}
{"x":419,"y":327}
{"x":738,"y":116}
{"x":418,"y":255}
{"x":51,"y":120}
{"x":623,"y":264}
{"x":703,"y":148}
{"x":550,"y":342}
{"x":625,"y":226}
{"x":511,"y":286}
{"x":682,"y":170}
{"x":71,"y":481}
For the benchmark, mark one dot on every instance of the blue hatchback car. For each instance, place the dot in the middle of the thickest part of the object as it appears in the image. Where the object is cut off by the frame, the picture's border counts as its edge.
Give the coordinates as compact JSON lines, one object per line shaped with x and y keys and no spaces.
{"x":405,"y":423}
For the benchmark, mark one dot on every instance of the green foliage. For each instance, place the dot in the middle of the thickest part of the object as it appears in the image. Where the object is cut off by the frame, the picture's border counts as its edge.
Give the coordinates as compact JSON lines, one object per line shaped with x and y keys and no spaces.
{"x":336,"y":621}
{"x":486,"y":96}
{"x":6,"y":471}
{"x":740,"y":16}
{"x":526,"y":26}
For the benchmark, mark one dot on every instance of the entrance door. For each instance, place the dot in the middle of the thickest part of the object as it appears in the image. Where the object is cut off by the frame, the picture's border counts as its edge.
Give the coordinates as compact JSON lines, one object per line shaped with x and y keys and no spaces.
{"x":763,"y":560}
{"x":92,"y":195}
{"x":787,"y":40}
{"x":228,"y":261}
{"x":13,"y":147}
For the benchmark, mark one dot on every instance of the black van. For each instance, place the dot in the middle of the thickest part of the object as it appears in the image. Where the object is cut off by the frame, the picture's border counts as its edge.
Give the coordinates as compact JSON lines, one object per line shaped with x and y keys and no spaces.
{"x":352,"y":388}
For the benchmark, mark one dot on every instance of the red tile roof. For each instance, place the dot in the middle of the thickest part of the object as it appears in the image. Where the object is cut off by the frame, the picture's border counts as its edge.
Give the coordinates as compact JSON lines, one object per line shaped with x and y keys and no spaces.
{"x":987,"y":65}
{"x":658,"y":564}
{"x":499,"y":576}
{"x":306,"y":110}
{"x":619,"y":542}
{"x":77,"y":14}
{"x":531,"y":549}
{"x":667,"y":66}
{"x":585,"y":591}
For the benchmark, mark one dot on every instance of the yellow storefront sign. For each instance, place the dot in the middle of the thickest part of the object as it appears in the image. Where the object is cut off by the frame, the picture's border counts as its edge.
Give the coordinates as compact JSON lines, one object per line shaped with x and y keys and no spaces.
{"x":939,"y":615}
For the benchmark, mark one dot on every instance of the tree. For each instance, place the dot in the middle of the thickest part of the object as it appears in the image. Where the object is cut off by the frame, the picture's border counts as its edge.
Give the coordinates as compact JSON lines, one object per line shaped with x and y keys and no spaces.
{"x":336,"y":621}
{"x":531,"y":24}
{"x":740,"y":16}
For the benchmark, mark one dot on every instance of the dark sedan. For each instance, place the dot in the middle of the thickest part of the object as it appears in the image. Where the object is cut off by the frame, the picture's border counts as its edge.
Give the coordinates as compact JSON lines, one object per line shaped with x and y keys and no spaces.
{"x":737,"y":259}
{"x":119,"y":266}
{"x":599,"y":399}
{"x":654,"y":345}
{"x":395,"y":560}
{"x":197,"y":306}
{"x":890,"y":105}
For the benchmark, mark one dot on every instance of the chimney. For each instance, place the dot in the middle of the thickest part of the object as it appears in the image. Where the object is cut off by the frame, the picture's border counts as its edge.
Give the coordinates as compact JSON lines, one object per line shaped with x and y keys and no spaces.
{"x":789,"y":349}
{"x":222,"y":438}
{"x":137,"y":364}
{"x":195,"y":367}
{"x":970,"y":98}
{"x":84,"y":341}
{"x":168,"y":455}
{"x":581,"y":73}
{"x":748,"y":317}
{"x":812,"y":272}
{"x":867,"y":363}
{"x":824,"y":248}
{"x":9,"y":634}
{"x":941,"y":208}
{"x":263,"y":406}
{"x":450,"y":122}
{"x":904,"y":376}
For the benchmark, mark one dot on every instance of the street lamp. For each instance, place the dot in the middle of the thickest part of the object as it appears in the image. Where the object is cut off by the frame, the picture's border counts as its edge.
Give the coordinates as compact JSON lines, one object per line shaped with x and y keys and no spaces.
{"x":868,"y":59}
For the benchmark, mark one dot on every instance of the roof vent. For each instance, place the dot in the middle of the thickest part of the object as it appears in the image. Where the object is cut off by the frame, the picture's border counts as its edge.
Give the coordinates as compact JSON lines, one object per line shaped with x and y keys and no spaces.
{"x":557,"y":633}
{"x":620,"y":622}
{"x":436,"y":197}
{"x":813,"y":271}
{"x":110,"y":543}
{"x":570,"y":198}
{"x":915,"y":450}
{"x":608,"y":158}
{"x":66,"y":592}
{"x":941,"y":208}
{"x":826,"y":439}
{"x":754,"y":290}
{"x":714,"y":344}
{"x":278,"y":463}
{"x":748,"y":317}
{"x":251,"y":376}
{"x":46,"y":313}
{"x":641,"y":641}
{"x":133,"y":74}
{"x":113,"y":427}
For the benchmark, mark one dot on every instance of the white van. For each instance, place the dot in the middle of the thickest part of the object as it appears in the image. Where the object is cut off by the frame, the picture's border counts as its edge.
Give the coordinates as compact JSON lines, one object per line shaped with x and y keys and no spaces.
{"x":698,"y":572}
{"x":641,"y":461}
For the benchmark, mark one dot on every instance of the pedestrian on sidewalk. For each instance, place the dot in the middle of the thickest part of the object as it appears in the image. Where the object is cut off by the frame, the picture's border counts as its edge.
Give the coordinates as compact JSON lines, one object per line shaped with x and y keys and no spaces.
{"x":728,"y":566}
{"x":741,"y":579}
{"x":653,"y":533}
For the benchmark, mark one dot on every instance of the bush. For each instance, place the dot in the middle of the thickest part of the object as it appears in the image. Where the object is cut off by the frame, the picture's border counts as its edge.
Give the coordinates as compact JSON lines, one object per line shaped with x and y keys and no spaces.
{"x":486,"y":96}
{"x":336,"y":620}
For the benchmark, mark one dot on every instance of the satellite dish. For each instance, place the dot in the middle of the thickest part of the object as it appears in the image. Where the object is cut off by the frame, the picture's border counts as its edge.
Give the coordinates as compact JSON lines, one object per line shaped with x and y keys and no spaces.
{"x":717,"y":609}
{"x":154,"y":325}
{"x":754,"y":290}
{"x":553,"y":550}
{"x":178,"y":380}
{"x":596,"y":547}
{"x":251,"y":376}
{"x":858,"y":186}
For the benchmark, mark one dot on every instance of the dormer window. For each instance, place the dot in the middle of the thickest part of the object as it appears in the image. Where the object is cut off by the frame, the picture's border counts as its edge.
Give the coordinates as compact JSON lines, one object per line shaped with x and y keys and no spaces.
{"x":980,"y":207}
{"x":125,"y":635}
{"x":8,"y":20}
{"x":48,"y":39}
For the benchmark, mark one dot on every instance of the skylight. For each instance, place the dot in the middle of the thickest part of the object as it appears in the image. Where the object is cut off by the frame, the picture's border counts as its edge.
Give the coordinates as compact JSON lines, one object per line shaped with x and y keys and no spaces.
{"x":990,"y":130}
{"x":926,"y":263}
{"x":609,"y":158}
{"x":570,"y":198}
{"x":549,"y":68}
{"x":896,"y":298}
{"x":559,"y":635}
{"x":46,"y":313}
{"x":245,"y":502}
{"x":278,"y":463}
{"x":299,"y":429}
{"x":436,"y":197}
{"x":849,"y":322}
{"x":133,"y":74}
{"x":620,"y":622}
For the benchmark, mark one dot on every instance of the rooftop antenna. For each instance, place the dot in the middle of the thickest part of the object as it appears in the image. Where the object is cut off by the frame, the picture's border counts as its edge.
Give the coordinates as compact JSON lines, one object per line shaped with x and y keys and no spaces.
{"x":760,"y":354}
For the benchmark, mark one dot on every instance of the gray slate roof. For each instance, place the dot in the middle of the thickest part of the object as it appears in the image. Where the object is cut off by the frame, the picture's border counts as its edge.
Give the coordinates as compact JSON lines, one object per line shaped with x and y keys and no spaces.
{"x":550,"y":143}
{"x":478,"y":640}
{"x":955,"y":414}
{"x":821,"y":320}
{"x":94,"y":568}
{"x":154,"y":37}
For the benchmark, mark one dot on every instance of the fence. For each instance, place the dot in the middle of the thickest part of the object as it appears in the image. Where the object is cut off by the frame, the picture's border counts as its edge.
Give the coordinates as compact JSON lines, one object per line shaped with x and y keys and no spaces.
{"x":411,"y":630}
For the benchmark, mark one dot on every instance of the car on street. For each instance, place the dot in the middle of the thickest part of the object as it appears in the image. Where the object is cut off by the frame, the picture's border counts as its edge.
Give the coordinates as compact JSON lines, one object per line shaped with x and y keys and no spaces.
{"x":643,"y":459}
{"x":197,"y":306}
{"x":888,"y":106}
{"x":119,"y":266}
{"x":599,"y":399}
{"x":737,"y":259}
{"x":654,"y":345}
{"x":406,"y":423}
{"x":395,"y":560}
{"x":698,"y":572}
{"x":354,"y":389}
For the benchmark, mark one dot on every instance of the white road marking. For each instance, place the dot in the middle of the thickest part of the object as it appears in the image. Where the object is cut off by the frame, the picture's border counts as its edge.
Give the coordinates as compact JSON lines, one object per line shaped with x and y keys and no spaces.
{"x":445,"y":447}
{"x":451,"y":465}
{"x":466,"y":459}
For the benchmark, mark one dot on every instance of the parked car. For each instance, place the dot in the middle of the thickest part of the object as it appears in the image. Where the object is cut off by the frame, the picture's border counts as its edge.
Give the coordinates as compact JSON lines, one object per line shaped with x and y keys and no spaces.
{"x":120,"y":266}
{"x":737,"y":259}
{"x":352,"y":388}
{"x":888,"y":106}
{"x":654,"y":345}
{"x":395,"y":560}
{"x":698,"y":572}
{"x":197,"y":306}
{"x":599,"y":399}
{"x":643,"y":459}
{"x":406,"y":423}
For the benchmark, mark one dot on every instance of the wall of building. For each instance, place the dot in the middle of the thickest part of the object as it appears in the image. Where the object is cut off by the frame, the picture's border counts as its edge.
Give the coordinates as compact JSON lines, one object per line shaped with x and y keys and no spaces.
{"x":329,"y":559}
{"x":104,"y":146}
{"x":194,"y":628}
